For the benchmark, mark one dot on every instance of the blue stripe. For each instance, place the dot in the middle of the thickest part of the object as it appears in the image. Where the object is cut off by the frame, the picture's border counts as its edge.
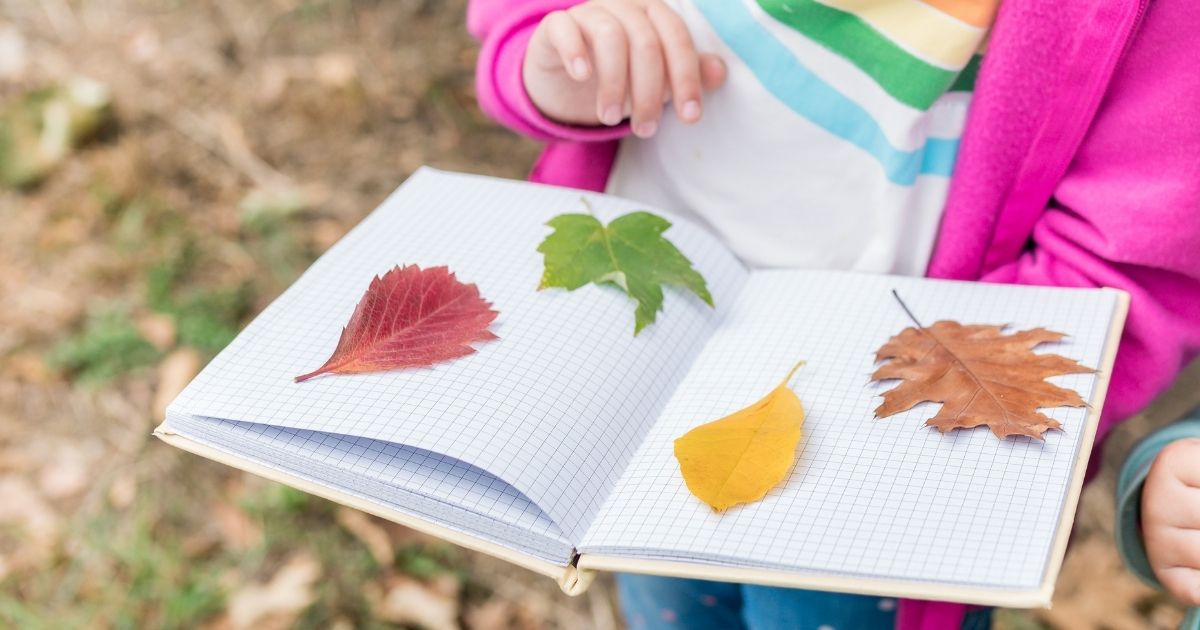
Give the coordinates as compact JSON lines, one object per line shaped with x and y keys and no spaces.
{"x":808,"y":95}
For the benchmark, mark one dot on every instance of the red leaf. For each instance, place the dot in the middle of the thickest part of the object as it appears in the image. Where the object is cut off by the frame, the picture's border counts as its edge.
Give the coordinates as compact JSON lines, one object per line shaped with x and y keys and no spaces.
{"x":410,"y":318}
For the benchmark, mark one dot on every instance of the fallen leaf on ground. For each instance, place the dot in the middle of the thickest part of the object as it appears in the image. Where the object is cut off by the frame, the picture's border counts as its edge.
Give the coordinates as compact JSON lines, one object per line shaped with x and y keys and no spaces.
{"x":28,"y":366}
{"x":401,"y":536}
{"x":432,"y":606}
{"x":630,"y":253}
{"x":198,"y":544}
{"x":323,"y":233}
{"x":44,"y":126}
{"x":740,"y":457}
{"x":374,"y":537}
{"x":24,"y":510}
{"x":40,"y":310}
{"x":70,"y":471}
{"x":144,"y":46}
{"x":14,"y":55}
{"x":534,"y":609}
{"x":158,"y":329}
{"x":264,"y":206}
{"x":335,"y":70}
{"x":494,"y":614}
{"x":238,"y":531}
{"x":123,"y":490}
{"x":981,"y":375}
{"x":281,"y":599}
{"x":410,"y":317}
{"x":174,"y":373}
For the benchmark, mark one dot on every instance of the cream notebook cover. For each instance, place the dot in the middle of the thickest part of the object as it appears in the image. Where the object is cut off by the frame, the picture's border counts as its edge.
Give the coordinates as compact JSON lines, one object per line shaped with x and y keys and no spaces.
{"x":552,"y":447}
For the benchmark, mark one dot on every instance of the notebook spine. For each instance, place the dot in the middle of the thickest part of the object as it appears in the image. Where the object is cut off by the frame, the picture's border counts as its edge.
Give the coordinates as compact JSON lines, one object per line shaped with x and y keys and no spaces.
{"x":575,"y":581}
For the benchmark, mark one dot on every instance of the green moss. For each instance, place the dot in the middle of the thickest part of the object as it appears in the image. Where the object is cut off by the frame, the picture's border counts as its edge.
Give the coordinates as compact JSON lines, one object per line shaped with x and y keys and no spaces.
{"x":280,"y":501}
{"x":427,"y":561}
{"x":127,"y":571}
{"x":108,"y":346}
{"x":164,"y":277}
{"x":142,"y":226}
{"x":292,"y":520}
{"x":208,"y":319}
{"x":162,"y":588}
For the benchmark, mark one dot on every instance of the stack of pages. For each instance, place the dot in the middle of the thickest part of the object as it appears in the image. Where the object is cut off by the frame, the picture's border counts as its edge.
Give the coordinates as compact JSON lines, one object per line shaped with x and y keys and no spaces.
{"x":552,"y":446}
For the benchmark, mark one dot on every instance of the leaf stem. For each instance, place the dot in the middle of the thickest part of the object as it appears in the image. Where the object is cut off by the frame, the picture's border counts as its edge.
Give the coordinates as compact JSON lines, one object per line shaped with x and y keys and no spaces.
{"x":904,"y":306}
{"x":962,"y":364}
{"x":792,"y":373}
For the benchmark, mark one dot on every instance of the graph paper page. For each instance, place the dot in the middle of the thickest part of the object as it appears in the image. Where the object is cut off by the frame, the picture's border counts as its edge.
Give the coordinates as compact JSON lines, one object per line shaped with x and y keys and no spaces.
{"x":555,"y":407}
{"x":884,"y":498}
{"x":426,"y":485}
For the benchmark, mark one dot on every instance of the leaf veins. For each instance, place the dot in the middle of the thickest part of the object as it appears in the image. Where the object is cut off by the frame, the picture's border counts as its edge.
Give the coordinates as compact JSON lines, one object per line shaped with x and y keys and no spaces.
{"x":739,"y":458}
{"x":410,"y":318}
{"x":630,"y":253}
{"x":980,"y":374}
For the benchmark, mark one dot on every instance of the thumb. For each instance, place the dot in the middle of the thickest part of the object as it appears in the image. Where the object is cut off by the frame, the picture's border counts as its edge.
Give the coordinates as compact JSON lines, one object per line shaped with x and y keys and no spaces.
{"x":712,"y":71}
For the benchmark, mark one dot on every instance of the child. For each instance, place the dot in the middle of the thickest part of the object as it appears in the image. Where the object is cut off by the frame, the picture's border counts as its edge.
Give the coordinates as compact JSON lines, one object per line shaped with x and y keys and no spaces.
{"x":835,"y":134}
{"x":1158,"y":512}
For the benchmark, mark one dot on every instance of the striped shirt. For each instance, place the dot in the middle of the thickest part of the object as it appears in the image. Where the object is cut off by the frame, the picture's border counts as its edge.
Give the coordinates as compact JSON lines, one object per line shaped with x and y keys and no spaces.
{"x":833,"y":141}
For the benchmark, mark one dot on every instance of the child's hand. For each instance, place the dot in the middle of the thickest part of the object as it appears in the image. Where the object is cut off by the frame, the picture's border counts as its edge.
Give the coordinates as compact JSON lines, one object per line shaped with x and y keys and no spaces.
{"x":1171,"y":519}
{"x":605,"y":60}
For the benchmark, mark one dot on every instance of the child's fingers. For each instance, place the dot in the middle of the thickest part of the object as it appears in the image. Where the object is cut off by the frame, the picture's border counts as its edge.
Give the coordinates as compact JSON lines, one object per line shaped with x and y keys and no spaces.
{"x":1186,"y":460}
{"x":646,"y":72}
{"x":1174,"y":554}
{"x":1173,"y":485}
{"x":610,"y":56}
{"x":1183,"y":583}
{"x":712,"y":71}
{"x":1179,"y":506}
{"x":683,"y":64}
{"x":566,"y":38}
{"x":1183,"y":547}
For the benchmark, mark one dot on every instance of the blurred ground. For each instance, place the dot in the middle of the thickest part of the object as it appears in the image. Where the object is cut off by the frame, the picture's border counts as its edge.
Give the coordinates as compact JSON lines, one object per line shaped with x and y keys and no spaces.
{"x":166,"y":169}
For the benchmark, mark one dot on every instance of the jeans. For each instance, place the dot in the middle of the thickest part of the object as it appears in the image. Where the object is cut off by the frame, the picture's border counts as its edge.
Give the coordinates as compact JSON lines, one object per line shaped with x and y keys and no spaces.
{"x":652,"y":602}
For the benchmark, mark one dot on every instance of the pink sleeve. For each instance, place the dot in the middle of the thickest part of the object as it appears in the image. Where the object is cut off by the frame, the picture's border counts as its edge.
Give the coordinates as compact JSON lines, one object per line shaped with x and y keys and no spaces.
{"x":504,"y":28}
{"x":1127,"y":212}
{"x":1162,"y":333}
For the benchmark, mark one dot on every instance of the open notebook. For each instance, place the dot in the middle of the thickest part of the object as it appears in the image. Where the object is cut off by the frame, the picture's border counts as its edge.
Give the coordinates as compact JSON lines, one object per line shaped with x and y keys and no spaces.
{"x":552,"y":447}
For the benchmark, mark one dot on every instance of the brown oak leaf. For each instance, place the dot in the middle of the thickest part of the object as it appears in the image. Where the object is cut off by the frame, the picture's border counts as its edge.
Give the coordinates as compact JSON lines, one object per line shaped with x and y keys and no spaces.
{"x":981,"y":375}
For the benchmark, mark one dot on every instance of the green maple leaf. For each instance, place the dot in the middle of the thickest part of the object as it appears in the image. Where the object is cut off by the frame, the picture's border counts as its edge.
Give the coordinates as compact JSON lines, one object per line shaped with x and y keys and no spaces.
{"x":630,"y":253}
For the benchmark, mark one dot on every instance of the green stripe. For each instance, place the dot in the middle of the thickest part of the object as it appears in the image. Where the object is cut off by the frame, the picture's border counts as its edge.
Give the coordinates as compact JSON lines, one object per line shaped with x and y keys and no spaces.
{"x":907,"y":78}
{"x":966,"y":79}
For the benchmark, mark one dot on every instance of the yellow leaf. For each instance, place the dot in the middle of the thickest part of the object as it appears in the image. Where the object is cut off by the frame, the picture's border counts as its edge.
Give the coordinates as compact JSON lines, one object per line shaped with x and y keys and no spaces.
{"x":738,"y":458}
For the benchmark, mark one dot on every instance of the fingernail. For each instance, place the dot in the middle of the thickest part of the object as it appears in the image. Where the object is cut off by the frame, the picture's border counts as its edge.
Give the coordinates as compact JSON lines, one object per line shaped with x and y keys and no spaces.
{"x":691,"y":111}
{"x":646,"y":129}
{"x":611,"y":115}
{"x":579,"y":68}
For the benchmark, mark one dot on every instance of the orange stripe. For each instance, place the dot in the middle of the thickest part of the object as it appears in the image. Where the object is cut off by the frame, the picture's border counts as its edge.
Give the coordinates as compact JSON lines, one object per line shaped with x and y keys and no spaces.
{"x":979,"y":13}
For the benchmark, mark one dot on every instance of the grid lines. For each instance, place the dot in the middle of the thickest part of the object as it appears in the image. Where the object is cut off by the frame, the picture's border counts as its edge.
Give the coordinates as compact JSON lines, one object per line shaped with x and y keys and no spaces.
{"x":885,"y":498}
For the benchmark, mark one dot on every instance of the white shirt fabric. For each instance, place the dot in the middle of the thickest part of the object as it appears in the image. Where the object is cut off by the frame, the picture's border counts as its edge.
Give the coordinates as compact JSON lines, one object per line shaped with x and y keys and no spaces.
{"x":780,"y":189}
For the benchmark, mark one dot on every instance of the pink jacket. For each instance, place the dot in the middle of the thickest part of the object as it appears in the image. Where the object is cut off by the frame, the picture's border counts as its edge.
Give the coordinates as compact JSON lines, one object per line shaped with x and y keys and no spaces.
{"x":1079,"y":166}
